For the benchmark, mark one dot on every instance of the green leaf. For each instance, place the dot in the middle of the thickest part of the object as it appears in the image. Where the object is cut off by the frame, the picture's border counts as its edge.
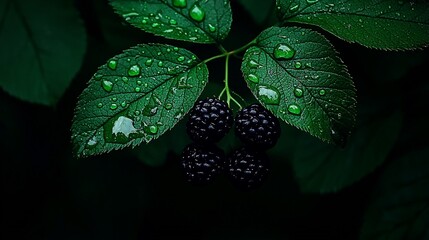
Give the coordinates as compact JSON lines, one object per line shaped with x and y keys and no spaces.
{"x":42,"y":46}
{"x":383,"y":24}
{"x":400,"y":205}
{"x":297,"y":75}
{"x":188,"y":20}
{"x":136,"y":97}
{"x":327,"y":168}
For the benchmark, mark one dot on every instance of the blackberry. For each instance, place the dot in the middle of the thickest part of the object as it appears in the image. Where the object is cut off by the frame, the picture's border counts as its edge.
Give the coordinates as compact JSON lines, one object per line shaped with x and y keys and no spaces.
{"x":210,"y":120}
{"x":247,"y":168}
{"x":202,"y":164}
{"x":257,"y":127}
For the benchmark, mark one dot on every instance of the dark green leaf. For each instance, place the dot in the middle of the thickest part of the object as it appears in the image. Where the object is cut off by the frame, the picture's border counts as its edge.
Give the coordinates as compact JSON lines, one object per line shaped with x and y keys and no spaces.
{"x":136,"y":97}
{"x":42,"y":46}
{"x":400,"y":205}
{"x":327,"y":168}
{"x":384,"y":24}
{"x":189,"y":20}
{"x":297,"y":74}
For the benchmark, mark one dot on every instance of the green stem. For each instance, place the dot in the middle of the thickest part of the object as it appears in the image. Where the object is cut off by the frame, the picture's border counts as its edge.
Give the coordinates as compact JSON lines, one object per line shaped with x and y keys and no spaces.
{"x":227,"y":55}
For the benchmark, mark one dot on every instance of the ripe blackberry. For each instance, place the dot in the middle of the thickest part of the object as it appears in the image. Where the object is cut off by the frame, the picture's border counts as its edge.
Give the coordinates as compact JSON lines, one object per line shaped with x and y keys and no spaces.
{"x":210,"y":120}
{"x":247,"y":168}
{"x":201,"y":164}
{"x":257,"y":127}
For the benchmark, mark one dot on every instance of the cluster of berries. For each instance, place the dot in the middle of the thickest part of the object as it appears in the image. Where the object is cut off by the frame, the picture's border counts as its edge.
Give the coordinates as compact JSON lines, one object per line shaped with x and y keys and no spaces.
{"x":209,"y":121}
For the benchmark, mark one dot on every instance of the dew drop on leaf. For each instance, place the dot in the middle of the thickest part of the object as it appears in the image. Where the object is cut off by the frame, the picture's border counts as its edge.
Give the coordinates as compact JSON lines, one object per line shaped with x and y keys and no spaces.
{"x":298,"y":65}
{"x":112,"y":64}
{"x":181,"y":59}
{"x":149,"y":62}
{"x":134,"y":71}
{"x":253,"y":64}
{"x":180,"y":3}
{"x":160,"y":64}
{"x":322,"y":92}
{"x":294,"y":109}
{"x":253,"y":78}
{"x":298,"y":92}
{"x":168,"y":106}
{"x":138,"y":89}
{"x":283,"y":51}
{"x":152,"y":129}
{"x":212,"y":28}
{"x":173,"y":22}
{"x":196,"y":13}
{"x":92,"y":143}
{"x":312,"y":1}
{"x":107,"y":85}
{"x":113,"y":106}
{"x":268,"y":95}
{"x":294,"y":7}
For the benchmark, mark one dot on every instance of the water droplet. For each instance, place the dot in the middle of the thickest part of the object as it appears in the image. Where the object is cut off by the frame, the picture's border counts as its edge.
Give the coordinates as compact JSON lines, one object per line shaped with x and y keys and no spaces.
{"x":160,"y":64}
{"x":212,"y":28}
{"x":183,"y":83}
{"x":149,"y":62}
{"x":322,"y":92}
{"x":173,"y":22}
{"x":294,"y":109}
{"x":112,"y":64}
{"x":283,"y":51}
{"x":138,"y":89}
{"x":114,"y":99}
{"x":107,"y":85}
{"x":137,"y":112}
{"x":196,"y":13}
{"x":253,"y":78}
{"x":145,"y":20}
{"x":125,"y":79}
{"x":134,"y":71}
{"x":180,"y":3}
{"x":268,"y":94}
{"x":253,"y":64}
{"x":152,"y":129}
{"x":98,"y":77}
{"x":298,"y":65}
{"x":294,"y":7}
{"x":121,"y":130}
{"x":168,"y":106}
{"x":114,"y":106}
{"x":155,"y":24}
{"x":181,"y":59}
{"x":175,"y":49}
{"x":124,"y":104}
{"x":298,"y":92}
{"x":92,"y":143}
{"x":150,"y":111}
{"x":100,"y":105}
{"x":312,"y":1}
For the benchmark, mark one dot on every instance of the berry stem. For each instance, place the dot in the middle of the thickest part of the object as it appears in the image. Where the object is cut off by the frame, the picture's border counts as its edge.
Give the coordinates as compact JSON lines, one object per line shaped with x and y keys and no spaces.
{"x":227,"y":55}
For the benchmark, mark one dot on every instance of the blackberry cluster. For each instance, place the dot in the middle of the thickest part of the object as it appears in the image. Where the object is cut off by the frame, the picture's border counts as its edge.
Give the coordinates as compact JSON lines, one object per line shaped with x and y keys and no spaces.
{"x":257,"y":127}
{"x":202,"y":164}
{"x":259,"y":130}
{"x":209,"y":121}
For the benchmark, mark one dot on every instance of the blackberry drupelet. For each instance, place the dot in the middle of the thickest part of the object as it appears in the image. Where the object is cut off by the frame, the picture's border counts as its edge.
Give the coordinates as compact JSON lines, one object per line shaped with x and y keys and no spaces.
{"x":247,"y":168}
{"x":209,"y":121}
{"x":257,"y":127}
{"x":202,"y":164}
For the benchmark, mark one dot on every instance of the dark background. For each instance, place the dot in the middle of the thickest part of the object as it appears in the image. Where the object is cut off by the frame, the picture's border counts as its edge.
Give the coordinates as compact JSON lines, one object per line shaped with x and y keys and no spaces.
{"x":48,"y":194}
